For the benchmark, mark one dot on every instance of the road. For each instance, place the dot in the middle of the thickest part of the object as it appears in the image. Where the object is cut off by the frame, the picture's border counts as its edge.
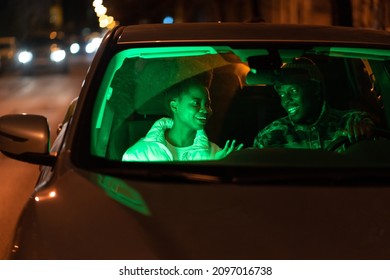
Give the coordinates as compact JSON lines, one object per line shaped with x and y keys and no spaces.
{"x":46,"y":94}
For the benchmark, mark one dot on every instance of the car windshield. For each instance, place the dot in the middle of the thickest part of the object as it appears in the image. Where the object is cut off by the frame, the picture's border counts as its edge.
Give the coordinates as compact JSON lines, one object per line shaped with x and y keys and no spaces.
{"x":253,"y":95}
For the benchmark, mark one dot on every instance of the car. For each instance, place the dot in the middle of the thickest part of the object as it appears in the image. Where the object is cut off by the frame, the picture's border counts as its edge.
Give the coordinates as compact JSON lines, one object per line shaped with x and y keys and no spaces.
{"x":43,"y":52}
{"x":270,"y":203}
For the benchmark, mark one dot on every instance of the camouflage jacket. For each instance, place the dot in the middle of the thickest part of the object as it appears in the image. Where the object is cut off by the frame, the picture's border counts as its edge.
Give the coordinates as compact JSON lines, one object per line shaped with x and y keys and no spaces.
{"x":330,"y":125}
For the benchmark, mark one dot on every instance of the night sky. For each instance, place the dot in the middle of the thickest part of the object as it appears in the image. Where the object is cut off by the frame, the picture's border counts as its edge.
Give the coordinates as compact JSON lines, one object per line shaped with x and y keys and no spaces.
{"x":76,"y":10}
{"x":80,"y":12}
{"x":20,"y":16}
{"x":17,"y":16}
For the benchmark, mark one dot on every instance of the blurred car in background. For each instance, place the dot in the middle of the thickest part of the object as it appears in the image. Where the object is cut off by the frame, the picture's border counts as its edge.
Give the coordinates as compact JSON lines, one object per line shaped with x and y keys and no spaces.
{"x":43,"y":53}
{"x":268,"y":203}
{"x":87,"y":44}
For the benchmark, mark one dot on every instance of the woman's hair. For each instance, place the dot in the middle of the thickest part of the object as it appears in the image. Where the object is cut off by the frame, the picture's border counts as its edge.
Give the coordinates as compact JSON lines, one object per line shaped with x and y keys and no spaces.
{"x":175,"y":91}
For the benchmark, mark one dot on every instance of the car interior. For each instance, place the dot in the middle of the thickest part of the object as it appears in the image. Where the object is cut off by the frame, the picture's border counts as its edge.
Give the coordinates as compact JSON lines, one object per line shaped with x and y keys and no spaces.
{"x":242,"y":94}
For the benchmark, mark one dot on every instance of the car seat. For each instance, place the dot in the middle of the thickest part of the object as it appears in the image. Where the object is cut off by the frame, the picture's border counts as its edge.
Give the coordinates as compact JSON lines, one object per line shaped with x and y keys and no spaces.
{"x":250,"y":110}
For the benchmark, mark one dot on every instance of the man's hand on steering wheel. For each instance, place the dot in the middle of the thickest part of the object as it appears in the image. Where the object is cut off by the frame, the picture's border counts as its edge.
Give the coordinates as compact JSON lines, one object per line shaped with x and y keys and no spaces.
{"x":357,"y":129}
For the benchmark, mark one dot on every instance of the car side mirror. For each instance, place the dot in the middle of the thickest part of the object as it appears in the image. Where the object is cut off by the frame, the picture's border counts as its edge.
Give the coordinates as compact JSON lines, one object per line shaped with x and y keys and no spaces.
{"x":26,"y":137}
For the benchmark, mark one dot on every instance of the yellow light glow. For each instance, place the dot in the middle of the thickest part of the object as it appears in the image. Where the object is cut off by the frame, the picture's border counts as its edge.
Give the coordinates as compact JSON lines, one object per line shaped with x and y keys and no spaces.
{"x":112,"y":24}
{"x":53,"y":47}
{"x":100,"y":10}
{"x":45,"y":196}
{"x":103,"y":23}
{"x":53,"y":35}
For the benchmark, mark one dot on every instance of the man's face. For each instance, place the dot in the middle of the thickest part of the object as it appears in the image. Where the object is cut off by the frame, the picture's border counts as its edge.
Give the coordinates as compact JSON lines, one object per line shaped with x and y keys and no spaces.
{"x":302,"y":107}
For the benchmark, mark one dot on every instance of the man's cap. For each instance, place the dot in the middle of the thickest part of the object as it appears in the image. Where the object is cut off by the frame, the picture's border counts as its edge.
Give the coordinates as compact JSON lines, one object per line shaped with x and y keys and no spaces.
{"x":300,"y":70}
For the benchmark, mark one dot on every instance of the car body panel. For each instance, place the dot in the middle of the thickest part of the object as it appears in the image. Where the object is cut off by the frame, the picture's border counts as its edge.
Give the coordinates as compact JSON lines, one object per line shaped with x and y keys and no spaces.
{"x":251,"y":32}
{"x":142,"y":220}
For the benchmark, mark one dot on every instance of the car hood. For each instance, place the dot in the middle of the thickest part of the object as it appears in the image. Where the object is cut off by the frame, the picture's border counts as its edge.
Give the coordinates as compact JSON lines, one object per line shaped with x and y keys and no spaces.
{"x":87,"y":215}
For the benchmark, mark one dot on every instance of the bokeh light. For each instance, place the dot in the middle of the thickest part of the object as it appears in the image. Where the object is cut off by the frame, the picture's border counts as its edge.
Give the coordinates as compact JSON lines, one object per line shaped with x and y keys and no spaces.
{"x":168,"y":20}
{"x":105,"y":21}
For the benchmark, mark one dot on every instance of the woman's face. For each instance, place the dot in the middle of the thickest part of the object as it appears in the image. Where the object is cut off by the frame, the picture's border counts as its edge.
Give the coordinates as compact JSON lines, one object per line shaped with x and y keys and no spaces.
{"x":192,"y":108}
{"x":302,"y":107}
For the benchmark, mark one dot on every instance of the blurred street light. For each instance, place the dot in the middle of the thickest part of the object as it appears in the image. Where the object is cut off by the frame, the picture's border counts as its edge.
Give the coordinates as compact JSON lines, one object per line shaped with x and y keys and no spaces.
{"x":105,"y":21}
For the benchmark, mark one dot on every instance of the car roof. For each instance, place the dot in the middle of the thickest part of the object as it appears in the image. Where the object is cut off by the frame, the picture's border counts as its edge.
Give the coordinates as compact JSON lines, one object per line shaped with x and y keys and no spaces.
{"x":267,"y":32}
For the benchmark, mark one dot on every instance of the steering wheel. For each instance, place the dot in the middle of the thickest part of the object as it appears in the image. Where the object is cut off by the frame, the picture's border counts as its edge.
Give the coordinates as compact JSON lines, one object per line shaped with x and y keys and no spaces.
{"x":343,"y":140}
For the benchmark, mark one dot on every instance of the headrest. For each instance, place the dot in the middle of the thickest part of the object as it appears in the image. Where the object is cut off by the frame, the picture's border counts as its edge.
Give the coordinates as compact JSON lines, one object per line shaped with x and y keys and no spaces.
{"x":157,"y":75}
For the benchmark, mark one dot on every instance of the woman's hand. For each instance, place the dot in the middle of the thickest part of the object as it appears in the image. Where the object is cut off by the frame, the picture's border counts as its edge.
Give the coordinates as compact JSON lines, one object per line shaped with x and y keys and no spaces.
{"x":230,"y":147}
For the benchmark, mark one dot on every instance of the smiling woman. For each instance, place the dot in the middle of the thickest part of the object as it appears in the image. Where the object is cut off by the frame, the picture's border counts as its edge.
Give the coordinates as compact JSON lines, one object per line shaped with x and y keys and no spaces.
{"x":172,"y":85}
{"x":182,"y":137}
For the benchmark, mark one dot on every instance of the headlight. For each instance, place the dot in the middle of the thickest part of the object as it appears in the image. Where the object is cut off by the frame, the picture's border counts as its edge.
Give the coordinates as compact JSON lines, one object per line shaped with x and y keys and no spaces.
{"x":58,"y":55}
{"x":25,"y":57}
{"x":92,"y":46}
{"x":75,"y":48}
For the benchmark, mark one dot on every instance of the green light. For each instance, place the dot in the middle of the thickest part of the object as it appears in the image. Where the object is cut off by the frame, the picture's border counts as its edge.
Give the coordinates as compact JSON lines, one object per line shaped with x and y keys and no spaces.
{"x":148,"y":53}
{"x":123,"y":193}
{"x":162,"y":52}
{"x":362,"y":53}
{"x":104,"y":111}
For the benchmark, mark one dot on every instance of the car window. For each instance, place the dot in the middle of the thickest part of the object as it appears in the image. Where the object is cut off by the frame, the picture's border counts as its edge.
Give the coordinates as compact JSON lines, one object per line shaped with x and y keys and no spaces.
{"x":244,"y":99}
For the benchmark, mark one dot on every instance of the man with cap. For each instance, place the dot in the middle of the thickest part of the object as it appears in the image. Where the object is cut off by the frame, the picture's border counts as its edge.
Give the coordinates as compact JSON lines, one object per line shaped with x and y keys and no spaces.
{"x":310,"y":122}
